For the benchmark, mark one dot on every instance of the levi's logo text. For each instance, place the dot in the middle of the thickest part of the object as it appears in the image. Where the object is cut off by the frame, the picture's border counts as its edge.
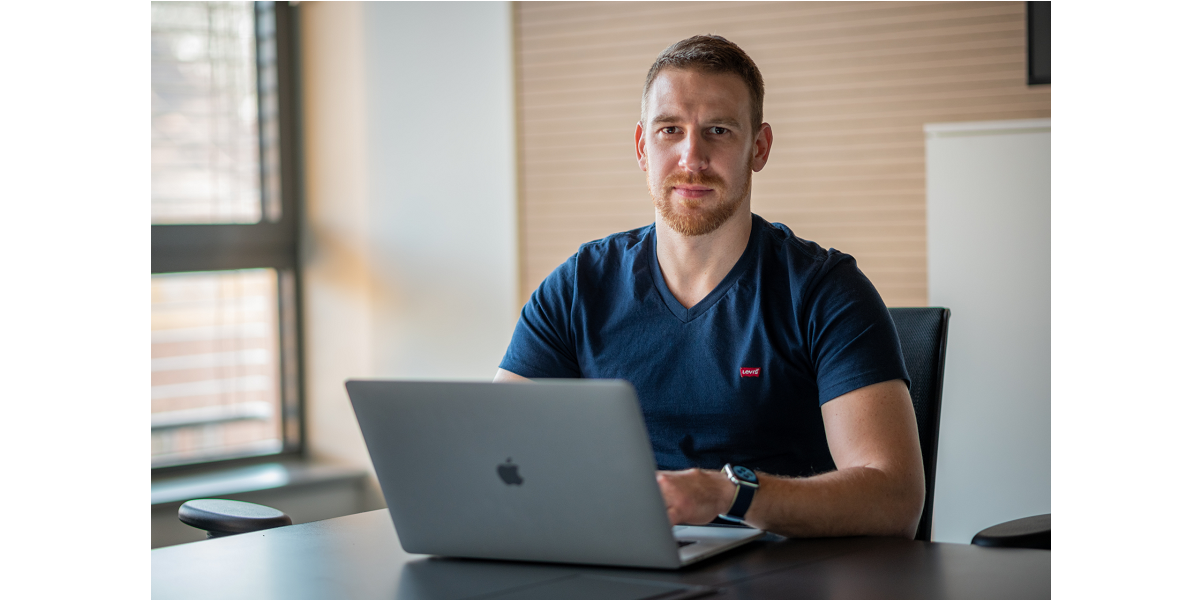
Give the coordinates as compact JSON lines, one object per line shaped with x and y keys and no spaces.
{"x":750,"y":372}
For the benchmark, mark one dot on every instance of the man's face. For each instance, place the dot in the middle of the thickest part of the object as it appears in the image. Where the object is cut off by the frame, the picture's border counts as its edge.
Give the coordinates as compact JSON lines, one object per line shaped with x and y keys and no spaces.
{"x":698,"y":148}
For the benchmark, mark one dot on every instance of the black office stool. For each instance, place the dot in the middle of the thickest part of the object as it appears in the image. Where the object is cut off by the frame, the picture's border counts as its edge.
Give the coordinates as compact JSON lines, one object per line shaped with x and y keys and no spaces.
{"x":229,"y":517}
{"x":1030,"y":532}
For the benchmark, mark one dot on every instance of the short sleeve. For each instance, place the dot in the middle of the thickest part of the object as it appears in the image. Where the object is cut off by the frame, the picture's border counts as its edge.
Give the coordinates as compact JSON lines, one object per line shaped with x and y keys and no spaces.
{"x":852,"y":340}
{"x":543,"y":344}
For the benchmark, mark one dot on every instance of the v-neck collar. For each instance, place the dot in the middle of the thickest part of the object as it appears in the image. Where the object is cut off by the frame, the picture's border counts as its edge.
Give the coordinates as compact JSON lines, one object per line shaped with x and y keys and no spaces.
{"x":683,"y":313}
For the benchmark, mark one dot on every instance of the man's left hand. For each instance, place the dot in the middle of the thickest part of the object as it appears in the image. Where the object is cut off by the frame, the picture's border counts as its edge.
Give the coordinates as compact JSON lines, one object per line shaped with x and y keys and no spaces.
{"x":695,"y":496}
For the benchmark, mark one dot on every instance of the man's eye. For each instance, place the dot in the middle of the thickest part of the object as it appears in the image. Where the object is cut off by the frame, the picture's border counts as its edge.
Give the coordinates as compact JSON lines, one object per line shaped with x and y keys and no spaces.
{"x":719,"y":130}
{"x":669,"y":130}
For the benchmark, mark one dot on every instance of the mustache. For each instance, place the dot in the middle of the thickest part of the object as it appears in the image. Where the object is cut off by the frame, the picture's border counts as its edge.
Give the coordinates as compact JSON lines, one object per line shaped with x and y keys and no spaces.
{"x":710,"y":180}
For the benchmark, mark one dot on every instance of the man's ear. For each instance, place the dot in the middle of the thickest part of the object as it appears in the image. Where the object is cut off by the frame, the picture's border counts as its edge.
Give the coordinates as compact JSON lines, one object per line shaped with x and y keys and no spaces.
{"x":762,"y":144}
{"x":639,"y":138}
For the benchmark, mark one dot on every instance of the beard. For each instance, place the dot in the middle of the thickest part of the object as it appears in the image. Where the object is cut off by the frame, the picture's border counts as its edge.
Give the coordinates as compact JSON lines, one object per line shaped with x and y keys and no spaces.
{"x":691,"y":217}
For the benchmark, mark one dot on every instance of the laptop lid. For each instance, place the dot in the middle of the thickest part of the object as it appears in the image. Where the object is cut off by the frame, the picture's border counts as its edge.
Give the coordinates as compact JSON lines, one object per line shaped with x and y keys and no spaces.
{"x":556,"y":471}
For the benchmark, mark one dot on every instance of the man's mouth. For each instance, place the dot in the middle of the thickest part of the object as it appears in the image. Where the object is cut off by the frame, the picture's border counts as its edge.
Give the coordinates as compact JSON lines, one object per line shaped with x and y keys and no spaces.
{"x":692,"y":191}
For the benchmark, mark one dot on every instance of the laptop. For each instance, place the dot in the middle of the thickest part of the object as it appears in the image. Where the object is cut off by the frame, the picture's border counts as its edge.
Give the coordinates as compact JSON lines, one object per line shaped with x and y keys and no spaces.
{"x":553,"y":471}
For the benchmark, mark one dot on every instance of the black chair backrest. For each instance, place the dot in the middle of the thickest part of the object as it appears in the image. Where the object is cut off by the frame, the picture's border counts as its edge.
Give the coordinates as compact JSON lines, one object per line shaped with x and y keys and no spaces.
{"x":923,"y":335}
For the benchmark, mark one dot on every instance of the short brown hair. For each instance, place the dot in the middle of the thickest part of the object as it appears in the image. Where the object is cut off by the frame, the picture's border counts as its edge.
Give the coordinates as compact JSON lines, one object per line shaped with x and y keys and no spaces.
{"x":711,"y":54}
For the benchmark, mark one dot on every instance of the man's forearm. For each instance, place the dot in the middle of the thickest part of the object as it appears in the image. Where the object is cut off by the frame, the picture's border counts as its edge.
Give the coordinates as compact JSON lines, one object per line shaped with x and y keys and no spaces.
{"x":853,"y":501}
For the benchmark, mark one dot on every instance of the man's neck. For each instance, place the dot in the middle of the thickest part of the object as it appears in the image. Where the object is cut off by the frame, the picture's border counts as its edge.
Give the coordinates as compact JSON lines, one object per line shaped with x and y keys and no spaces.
{"x":693,"y":266}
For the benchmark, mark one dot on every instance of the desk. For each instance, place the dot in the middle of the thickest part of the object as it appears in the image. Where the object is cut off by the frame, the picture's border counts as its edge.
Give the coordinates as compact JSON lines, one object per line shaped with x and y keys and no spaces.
{"x":358,"y":556}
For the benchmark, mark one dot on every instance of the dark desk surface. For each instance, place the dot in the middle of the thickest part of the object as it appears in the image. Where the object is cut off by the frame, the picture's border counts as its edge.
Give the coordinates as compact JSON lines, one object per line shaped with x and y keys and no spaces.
{"x":358,"y":556}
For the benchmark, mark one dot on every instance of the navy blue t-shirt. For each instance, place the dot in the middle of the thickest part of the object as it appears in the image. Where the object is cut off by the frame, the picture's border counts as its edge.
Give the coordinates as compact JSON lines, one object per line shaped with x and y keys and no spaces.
{"x":738,"y":377}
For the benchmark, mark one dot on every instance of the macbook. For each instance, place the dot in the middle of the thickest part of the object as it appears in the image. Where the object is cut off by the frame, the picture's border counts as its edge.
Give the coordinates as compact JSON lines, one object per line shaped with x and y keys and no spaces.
{"x":555,"y":471}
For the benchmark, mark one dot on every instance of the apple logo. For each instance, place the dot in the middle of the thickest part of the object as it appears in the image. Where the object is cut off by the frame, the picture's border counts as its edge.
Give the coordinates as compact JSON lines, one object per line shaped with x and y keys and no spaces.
{"x":508,"y":472}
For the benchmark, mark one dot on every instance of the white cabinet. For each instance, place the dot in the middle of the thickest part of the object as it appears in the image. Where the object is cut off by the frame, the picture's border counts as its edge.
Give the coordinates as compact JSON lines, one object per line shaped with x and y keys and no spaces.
{"x":988,"y":260}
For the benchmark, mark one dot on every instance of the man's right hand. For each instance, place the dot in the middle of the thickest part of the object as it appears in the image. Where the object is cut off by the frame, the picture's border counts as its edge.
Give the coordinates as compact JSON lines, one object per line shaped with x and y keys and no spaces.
{"x":695,"y":496}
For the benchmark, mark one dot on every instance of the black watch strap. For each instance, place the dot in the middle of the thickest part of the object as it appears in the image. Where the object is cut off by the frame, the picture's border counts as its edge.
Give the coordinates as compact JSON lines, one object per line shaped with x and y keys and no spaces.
{"x":746,"y":487}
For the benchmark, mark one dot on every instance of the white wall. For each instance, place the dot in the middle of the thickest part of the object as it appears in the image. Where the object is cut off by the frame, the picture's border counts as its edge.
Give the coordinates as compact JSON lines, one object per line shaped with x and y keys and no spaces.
{"x":441,"y":155}
{"x":988,"y":260}
{"x":410,"y":240}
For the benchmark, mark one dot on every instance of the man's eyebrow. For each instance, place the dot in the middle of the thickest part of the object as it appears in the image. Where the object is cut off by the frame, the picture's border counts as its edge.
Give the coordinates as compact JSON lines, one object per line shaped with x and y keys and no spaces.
{"x":714,"y":121}
{"x":726,"y":122}
{"x":666,"y":119}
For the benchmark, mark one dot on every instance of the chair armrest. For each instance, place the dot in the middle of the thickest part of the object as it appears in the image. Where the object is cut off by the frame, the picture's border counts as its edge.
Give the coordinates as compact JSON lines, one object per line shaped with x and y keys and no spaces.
{"x":1030,"y":532}
{"x":229,"y":517}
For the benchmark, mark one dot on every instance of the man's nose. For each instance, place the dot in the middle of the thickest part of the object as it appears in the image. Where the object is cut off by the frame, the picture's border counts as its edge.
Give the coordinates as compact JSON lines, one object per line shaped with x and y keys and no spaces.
{"x":694,"y":155}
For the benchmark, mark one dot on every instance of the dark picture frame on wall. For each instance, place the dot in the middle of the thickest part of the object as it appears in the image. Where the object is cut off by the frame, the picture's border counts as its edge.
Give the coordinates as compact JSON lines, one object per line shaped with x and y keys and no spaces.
{"x":1038,"y":43}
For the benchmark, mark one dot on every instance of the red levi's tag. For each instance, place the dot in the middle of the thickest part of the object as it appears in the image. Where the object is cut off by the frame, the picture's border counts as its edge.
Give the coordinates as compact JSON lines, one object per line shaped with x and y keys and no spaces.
{"x":753,"y":372}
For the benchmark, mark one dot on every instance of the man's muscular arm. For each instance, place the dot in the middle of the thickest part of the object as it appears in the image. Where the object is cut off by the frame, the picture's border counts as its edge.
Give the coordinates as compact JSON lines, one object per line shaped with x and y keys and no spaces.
{"x":878,"y":487}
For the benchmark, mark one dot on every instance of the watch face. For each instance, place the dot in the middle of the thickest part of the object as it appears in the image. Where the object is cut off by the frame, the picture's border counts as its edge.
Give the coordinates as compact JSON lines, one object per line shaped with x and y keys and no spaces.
{"x":744,"y":473}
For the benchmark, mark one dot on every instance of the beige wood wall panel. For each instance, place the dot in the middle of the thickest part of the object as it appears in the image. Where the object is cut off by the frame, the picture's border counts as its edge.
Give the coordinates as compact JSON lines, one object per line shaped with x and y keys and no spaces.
{"x":848,"y":87}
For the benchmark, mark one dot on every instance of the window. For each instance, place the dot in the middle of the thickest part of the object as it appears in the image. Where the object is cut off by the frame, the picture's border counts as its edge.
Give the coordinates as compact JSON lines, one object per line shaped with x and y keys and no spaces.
{"x":225,"y":312}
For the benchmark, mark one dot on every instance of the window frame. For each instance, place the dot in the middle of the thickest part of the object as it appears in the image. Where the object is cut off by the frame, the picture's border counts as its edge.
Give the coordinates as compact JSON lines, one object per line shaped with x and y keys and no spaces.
{"x":178,"y":248}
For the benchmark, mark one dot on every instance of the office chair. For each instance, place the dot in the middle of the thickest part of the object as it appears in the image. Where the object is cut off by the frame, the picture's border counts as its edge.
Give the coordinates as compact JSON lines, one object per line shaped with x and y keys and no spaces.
{"x":1030,"y":532}
{"x":923,"y":335}
{"x":221,"y":518}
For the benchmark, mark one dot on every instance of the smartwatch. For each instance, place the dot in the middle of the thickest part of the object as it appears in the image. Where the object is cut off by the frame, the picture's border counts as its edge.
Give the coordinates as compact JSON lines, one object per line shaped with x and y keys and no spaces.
{"x":746,"y":486}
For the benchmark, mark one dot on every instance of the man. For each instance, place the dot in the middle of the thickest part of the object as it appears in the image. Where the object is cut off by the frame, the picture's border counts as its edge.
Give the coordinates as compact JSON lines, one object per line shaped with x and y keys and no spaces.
{"x":748,"y":346}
